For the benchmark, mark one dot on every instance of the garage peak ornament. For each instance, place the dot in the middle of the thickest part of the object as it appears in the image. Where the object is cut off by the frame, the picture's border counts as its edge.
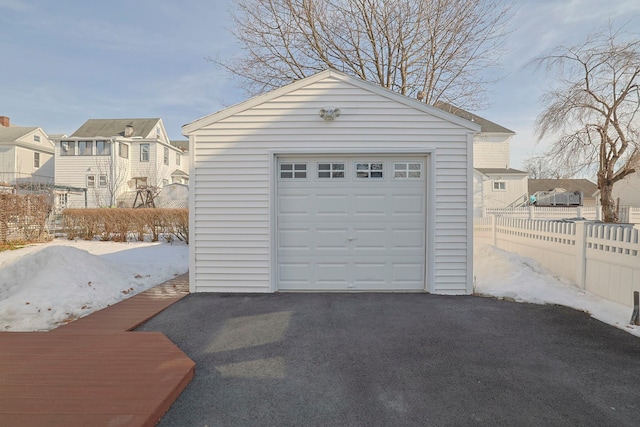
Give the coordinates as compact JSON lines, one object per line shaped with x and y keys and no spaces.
{"x":329,"y":113}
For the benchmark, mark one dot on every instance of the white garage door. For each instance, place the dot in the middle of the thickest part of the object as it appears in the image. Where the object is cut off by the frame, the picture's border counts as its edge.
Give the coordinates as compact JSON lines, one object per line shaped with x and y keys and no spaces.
{"x":351,"y":223}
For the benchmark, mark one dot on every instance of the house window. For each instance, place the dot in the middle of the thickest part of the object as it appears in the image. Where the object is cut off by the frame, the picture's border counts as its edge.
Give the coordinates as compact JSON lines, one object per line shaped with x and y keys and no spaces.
{"x":158,"y":133}
{"x":102,"y":180}
{"x":85,"y":148}
{"x":91,"y":181}
{"x":178,"y":158}
{"x":407,"y":170}
{"x":369,"y":170}
{"x":166,"y":156}
{"x":103,"y":148}
{"x":331,"y":170}
{"x":123,"y":150}
{"x":36,"y":160}
{"x":499,"y":186}
{"x":67,"y":148}
{"x":36,"y":138}
{"x":293,"y":170}
{"x":144,"y":152}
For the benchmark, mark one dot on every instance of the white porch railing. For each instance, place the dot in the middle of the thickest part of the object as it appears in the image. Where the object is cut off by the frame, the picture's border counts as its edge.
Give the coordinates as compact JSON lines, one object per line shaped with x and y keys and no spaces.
{"x":627,"y":214}
{"x":601,"y":258}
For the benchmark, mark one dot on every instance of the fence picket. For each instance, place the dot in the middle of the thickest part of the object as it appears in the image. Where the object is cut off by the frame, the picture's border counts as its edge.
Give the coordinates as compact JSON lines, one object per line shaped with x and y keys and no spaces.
{"x":601,"y":258}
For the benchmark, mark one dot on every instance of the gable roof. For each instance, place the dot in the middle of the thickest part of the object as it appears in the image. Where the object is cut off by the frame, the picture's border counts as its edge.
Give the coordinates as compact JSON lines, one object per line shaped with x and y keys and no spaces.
{"x":500,"y":171}
{"x":585,"y":186}
{"x":13,"y":133}
{"x":298,"y":84}
{"x":486,"y":126}
{"x":115,"y":127}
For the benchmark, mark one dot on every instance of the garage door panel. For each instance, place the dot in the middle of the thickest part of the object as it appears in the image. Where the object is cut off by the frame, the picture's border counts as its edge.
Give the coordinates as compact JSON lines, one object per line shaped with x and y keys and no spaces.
{"x":411,"y":204}
{"x":369,"y":205}
{"x":409,"y":238}
{"x":294,"y":205}
{"x":351,"y":233}
{"x":332,"y":205}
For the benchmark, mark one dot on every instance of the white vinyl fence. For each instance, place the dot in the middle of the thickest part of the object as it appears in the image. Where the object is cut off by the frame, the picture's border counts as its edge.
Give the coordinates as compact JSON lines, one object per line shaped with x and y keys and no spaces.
{"x":601,"y":258}
{"x":627,"y":214}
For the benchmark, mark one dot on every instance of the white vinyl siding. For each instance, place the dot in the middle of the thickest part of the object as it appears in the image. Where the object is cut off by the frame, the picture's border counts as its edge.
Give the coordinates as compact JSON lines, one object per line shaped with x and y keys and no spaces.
{"x":491,"y":152}
{"x":233,"y":162}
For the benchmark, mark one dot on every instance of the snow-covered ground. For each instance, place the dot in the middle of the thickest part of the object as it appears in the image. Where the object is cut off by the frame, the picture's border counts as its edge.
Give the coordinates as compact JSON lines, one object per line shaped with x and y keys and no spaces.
{"x":42,"y":286}
{"x":503,"y":274}
{"x":45,"y":285}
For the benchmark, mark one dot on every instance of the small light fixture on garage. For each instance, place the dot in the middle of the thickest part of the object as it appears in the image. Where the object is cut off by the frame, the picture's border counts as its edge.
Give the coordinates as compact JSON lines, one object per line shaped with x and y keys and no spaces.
{"x":329,"y":113}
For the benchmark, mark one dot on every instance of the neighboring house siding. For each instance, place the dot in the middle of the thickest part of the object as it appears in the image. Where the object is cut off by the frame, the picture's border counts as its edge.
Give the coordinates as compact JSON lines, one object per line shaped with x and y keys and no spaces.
{"x":628,"y":190}
{"x":8,"y":164}
{"x":25,"y":167}
{"x":72,"y":171}
{"x":17,"y":158}
{"x":231,"y":183}
{"x":515,"y":188}
{"x":491,"y":152}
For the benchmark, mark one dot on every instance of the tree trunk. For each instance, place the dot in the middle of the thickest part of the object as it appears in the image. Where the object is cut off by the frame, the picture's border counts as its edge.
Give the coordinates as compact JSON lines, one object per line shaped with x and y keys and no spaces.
{"x":609,"y":211}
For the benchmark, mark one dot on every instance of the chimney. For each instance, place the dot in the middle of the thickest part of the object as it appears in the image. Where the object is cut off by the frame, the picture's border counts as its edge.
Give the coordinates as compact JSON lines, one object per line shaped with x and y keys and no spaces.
{"x":128,"y":131}
{"x":4,"y":121}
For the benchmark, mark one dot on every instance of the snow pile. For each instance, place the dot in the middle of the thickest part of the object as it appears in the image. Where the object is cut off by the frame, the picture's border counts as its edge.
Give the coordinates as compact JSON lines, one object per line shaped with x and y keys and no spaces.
{"x":503,"y":274}
{"x":43,"y":286}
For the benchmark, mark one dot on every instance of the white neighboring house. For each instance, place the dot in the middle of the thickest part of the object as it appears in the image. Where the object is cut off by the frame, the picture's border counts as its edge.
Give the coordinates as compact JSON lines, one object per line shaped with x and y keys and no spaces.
{"x":331,"y":183}
{"x":111,"y":159}
{"x":495,"y":184}
{"x":627,"y":190}
{"x":26,"y":155}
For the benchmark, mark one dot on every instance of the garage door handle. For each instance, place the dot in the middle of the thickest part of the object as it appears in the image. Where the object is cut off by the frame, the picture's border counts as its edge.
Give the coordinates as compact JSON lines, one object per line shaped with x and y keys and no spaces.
{"x":351,"y":239}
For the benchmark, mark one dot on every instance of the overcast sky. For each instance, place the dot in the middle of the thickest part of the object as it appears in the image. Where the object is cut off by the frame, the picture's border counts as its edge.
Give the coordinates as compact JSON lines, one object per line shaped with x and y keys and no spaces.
{"x":63,"y":62}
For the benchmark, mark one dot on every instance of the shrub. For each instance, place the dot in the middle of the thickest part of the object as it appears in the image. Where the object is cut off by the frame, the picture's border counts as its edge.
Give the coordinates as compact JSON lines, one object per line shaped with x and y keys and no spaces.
{"x":123,"y":225}
{"x":23,"y":218}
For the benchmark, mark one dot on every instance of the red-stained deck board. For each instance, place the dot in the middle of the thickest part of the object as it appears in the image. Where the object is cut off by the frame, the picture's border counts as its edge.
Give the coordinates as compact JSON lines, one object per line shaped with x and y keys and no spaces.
{"x":93,"y":373}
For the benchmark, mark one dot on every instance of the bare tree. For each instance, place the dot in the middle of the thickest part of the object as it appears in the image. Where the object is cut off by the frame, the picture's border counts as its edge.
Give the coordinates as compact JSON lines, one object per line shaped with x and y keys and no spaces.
{"x":593,"y":110}
{"x":112,"y":175}
{"x":539,"y":167}
{"x":434,"y":50}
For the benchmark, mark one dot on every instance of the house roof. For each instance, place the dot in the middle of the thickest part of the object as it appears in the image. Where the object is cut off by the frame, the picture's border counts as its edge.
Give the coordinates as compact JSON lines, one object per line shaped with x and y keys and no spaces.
{"x":182,"y":144}
{"x":585,"y":186}
{"x":486,"y":126}
{"x":178,"y":172}
{"x":13,"y":133}
{"x":500,"y":171}
{"x":115,"y":127}
{"x":298,"y":84}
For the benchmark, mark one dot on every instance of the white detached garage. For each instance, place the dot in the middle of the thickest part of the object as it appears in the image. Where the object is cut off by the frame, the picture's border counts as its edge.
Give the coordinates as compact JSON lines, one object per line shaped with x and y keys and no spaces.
{"x":331,"y":184}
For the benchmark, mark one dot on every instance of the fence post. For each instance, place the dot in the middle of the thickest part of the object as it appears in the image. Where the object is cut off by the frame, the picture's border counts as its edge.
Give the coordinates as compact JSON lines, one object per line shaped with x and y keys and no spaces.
{"x":579,"y":212}
{"x":581,"y":254}
{"x":493,"y":230}
{"x":531,"y":212}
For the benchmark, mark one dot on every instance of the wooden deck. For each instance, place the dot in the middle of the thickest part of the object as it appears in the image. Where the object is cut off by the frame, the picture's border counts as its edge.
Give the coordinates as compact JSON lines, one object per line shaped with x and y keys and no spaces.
{"x":92,"y":372}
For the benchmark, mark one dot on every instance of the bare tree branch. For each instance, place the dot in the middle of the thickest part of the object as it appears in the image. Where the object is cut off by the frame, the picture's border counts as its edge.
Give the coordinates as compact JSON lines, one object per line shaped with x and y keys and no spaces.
{"x":592,"y":110}
{"x":438,"y":48}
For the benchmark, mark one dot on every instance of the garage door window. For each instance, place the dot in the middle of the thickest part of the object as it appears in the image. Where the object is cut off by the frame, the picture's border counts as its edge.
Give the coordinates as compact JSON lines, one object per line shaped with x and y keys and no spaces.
{"x":331,"y":170}
{"x":293,"y":171}
{"x":407,"y":170}
{"x":366,"y":170}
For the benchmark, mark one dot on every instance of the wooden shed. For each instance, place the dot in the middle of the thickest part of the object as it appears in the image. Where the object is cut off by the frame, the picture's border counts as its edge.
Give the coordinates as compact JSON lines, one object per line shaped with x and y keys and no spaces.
{"x":331,"y":183}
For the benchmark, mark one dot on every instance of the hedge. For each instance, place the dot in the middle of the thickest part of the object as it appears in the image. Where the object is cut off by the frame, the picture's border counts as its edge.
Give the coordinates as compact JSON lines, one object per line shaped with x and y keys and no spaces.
{"x":23,"y":218}
{"x":122,"y":225}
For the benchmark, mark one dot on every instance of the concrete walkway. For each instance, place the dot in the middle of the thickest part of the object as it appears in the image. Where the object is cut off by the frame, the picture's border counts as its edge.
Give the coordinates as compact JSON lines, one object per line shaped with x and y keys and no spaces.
{"x":398,"y":360}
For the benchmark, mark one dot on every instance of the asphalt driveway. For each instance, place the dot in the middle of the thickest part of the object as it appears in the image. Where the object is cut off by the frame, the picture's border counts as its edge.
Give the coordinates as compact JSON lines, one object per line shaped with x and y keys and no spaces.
{"x":398,"y":360}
